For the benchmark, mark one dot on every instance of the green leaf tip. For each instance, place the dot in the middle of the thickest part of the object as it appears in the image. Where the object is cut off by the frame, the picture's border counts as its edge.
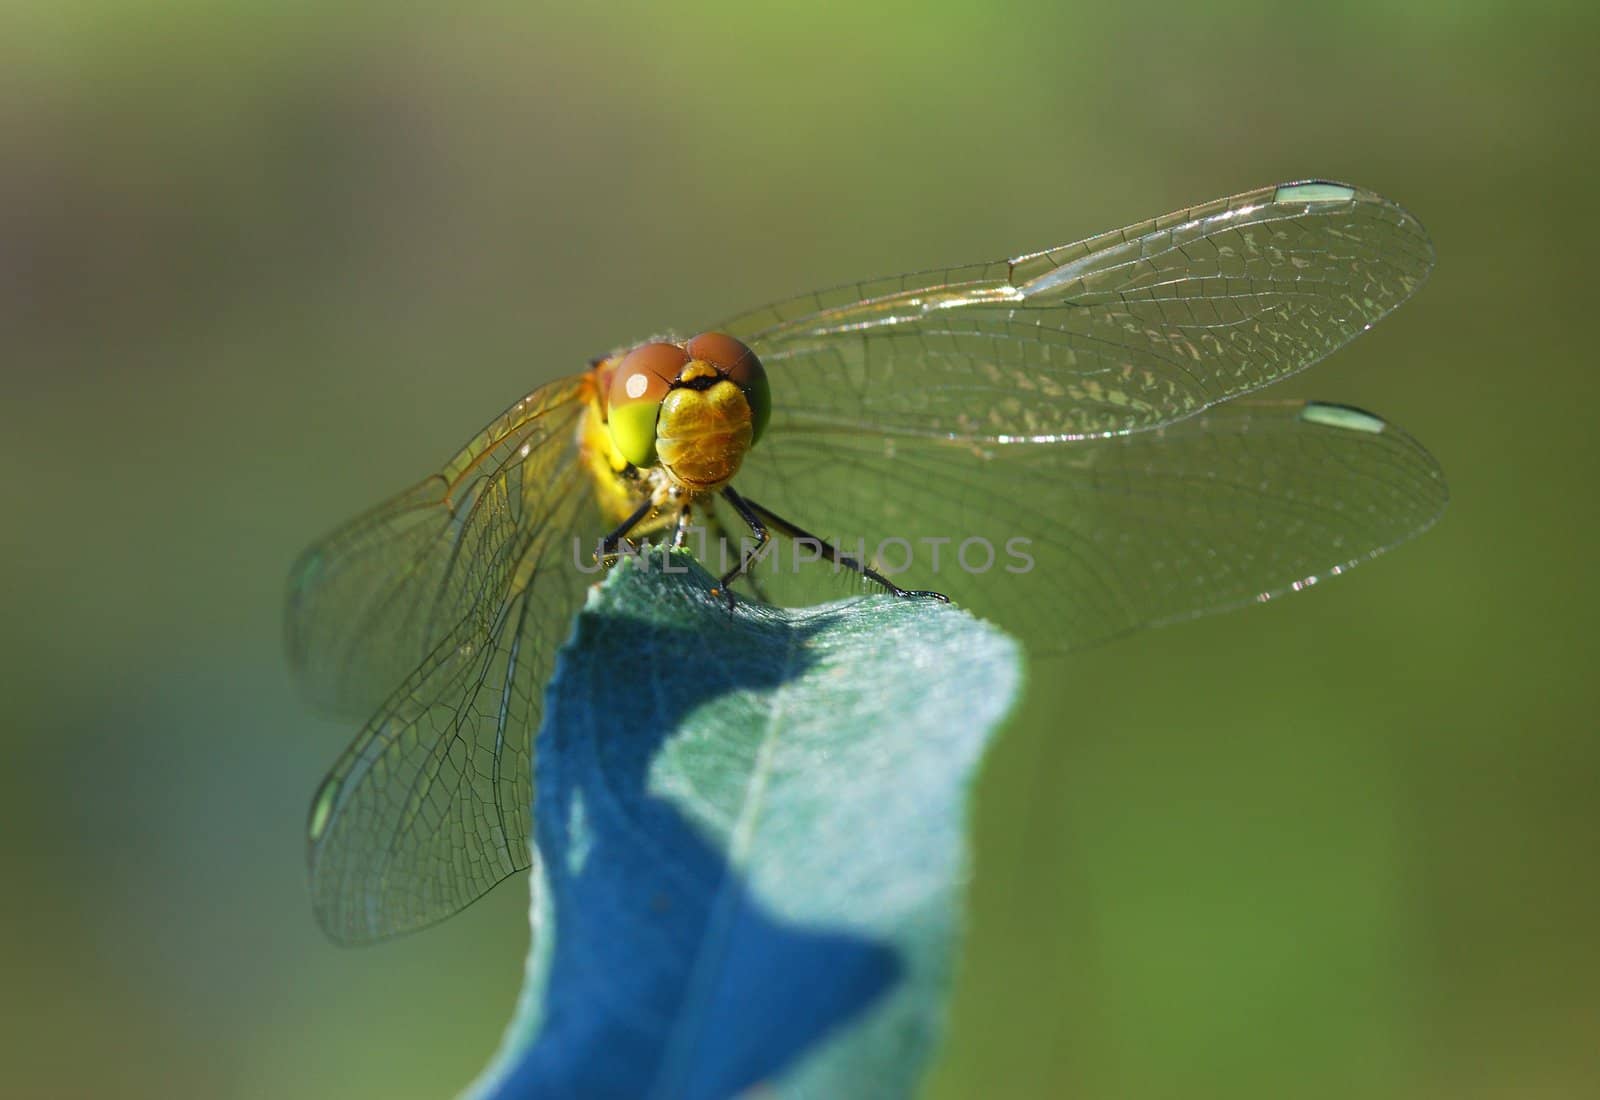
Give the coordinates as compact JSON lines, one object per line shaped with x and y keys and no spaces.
{"x":751,"y":827}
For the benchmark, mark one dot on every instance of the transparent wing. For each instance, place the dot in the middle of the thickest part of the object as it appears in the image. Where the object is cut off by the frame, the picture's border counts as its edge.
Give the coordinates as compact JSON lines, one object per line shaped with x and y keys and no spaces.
{"x":458,"y":591}
{"x":1070,"y":545}
{"x":1122,"y":332}
{"x":428,"y":808}
{"x":368,"y":603}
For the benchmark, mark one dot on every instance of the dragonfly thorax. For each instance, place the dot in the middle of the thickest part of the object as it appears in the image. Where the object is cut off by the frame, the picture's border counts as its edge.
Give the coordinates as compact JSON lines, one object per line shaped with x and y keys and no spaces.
{"x":703,"y":431}
{"x":691,"y":410}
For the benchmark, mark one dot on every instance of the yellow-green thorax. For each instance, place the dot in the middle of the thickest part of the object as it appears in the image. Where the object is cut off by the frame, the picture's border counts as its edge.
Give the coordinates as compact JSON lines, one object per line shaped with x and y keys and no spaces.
{"x":704,"y":430}
{"x":616,"y":493}
{"x":670,"y":422}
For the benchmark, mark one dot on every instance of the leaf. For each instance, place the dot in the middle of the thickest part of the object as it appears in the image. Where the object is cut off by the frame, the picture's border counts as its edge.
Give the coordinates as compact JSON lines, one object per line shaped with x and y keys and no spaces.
{"x":751,"y":828}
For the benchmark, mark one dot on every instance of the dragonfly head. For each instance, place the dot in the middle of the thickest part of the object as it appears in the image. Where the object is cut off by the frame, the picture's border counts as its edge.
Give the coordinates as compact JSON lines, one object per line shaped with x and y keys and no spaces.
{"x":694,"y":408}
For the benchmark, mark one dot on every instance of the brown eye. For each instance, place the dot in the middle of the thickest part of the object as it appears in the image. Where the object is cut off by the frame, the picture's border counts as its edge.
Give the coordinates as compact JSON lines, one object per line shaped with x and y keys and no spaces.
{"x":633,"y":401}
{"x":645,"y":374}
{"x":742,"y":367}
{"x":722,"y":351}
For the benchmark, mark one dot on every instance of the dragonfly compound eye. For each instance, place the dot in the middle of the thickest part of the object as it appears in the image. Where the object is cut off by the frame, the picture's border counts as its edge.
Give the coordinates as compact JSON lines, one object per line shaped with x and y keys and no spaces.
{"x":638,"y":386}
{"x":743,"y":368}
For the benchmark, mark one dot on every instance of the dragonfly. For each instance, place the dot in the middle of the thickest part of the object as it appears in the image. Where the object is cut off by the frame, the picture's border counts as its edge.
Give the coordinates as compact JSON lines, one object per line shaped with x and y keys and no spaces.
{"x":1090,"y":400}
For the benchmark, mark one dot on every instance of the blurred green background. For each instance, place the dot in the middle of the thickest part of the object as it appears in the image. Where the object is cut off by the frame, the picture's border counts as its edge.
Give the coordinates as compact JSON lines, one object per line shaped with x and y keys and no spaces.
{"x":261,"y":264}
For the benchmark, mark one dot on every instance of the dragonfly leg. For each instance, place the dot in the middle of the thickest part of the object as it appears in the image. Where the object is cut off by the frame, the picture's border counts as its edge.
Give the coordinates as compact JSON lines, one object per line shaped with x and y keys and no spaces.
{"x":680,"y":529}
{"x":719,"y":531}
{"x":759,"y":529}
{"x":833,"y":554}
{"x":618,"y":539}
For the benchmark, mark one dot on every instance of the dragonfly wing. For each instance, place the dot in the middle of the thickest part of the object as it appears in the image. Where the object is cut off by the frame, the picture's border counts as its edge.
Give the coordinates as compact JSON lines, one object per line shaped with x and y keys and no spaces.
{"x":1122,"y":332}
{"x":1073,"y":544}
{"x":428,"y":808}
{"x":368,"y":603}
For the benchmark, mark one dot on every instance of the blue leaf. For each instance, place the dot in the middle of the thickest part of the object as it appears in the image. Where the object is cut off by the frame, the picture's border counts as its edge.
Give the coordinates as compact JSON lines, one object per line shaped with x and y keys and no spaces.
{"x":751,"y":831}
